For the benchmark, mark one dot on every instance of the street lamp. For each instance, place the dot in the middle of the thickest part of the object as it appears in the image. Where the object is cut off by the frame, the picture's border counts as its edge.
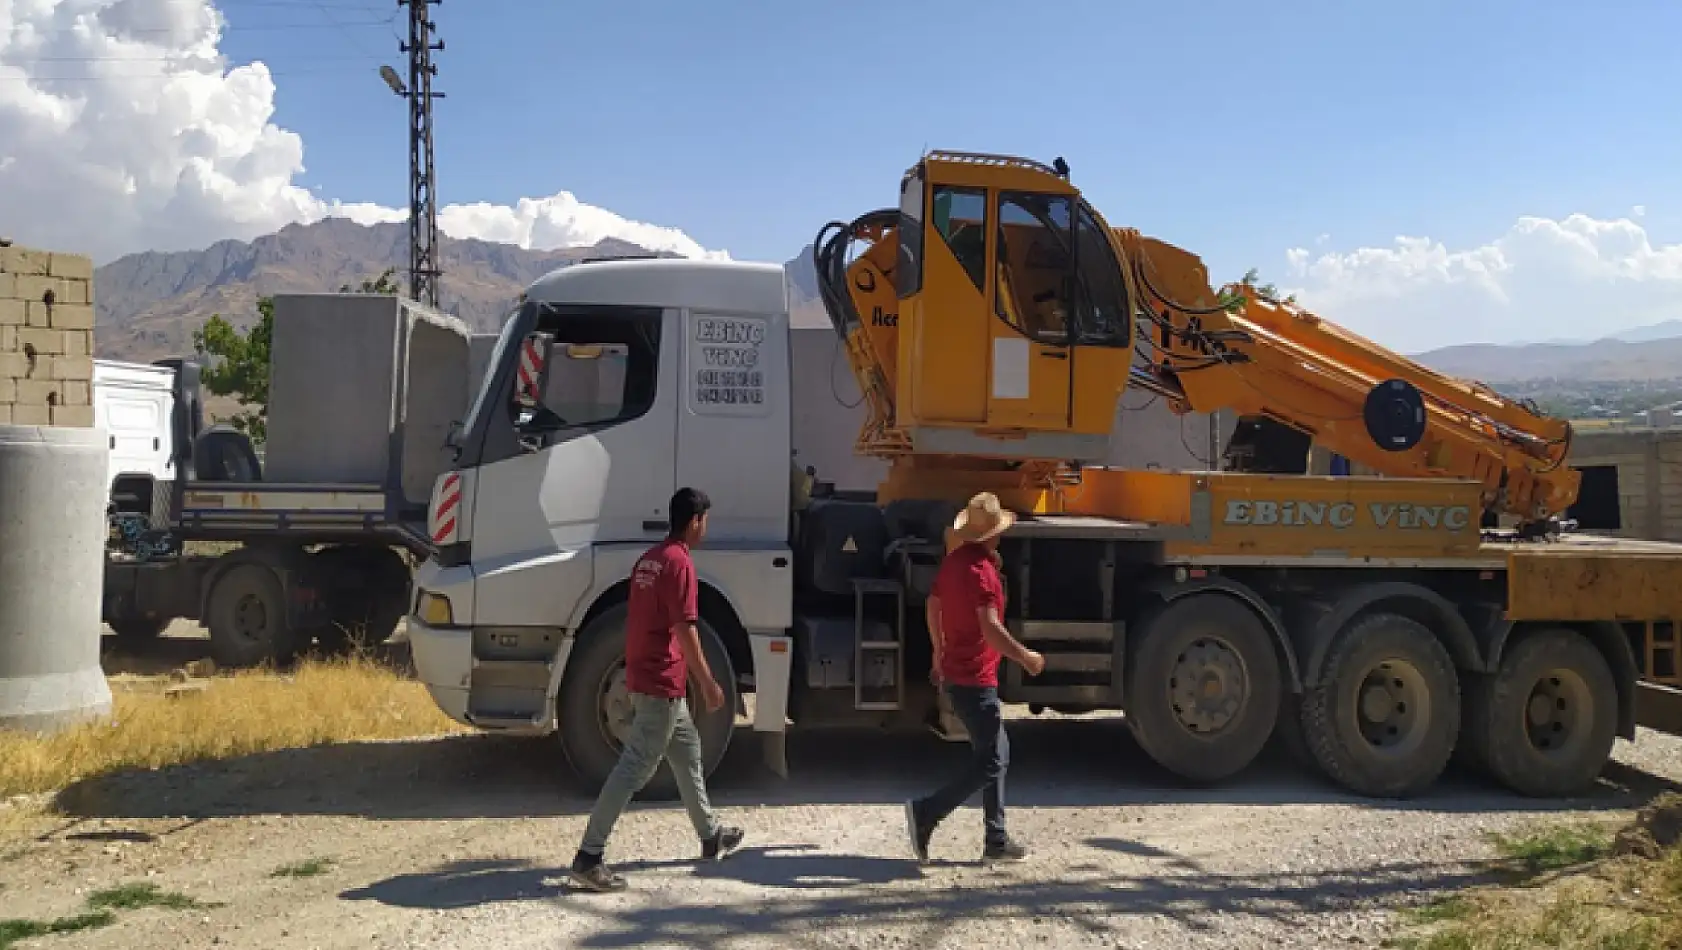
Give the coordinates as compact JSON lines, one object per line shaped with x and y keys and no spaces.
{"x":393,"y":80}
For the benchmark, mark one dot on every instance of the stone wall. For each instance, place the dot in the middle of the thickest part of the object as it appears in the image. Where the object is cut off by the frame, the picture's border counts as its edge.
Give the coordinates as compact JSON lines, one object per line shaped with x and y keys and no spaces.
{"x":46,"y":337}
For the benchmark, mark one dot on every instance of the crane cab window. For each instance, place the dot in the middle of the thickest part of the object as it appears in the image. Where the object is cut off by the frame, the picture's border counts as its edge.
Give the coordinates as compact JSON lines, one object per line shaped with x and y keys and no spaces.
{"x":1104,"y":312}
{"x":960,"y":218}
{"x":1035,"y":267}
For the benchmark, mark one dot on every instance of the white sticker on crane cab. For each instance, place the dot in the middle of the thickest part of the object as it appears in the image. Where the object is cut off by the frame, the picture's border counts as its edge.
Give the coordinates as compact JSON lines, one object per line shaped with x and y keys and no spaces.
{"x":1010,"y":367}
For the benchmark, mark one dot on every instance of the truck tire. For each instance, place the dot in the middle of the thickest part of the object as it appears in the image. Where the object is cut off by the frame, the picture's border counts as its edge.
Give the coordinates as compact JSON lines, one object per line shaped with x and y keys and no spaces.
{"x":138,"y":631}
{"x":1289,"y":736}
{"x":365,"y":613}
{"x":1382,"y":721}
{"x":1543,"y":725}
{"x":592,"y":690}
{"x":1203,"y":687}
{"x":246,"y":616}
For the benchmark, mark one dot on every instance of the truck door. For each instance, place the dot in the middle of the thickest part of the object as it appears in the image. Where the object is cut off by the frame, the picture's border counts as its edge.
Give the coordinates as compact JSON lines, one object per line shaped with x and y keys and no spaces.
{"x":590,"y":464}
{"x":1034,"y":298}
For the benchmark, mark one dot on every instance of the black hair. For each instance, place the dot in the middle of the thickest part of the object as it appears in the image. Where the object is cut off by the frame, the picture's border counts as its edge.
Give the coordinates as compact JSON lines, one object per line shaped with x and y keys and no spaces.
{"x":687,"y":504}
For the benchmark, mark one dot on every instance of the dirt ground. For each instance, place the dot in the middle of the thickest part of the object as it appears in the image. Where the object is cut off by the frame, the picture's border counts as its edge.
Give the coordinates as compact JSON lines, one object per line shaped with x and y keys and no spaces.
{"x":462,"y":842}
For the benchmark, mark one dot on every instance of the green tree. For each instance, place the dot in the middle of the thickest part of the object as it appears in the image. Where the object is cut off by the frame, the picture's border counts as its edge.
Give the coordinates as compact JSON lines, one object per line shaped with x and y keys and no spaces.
{"x":383,"y":284}
{"x":1266,"y":291}
{"x":237,"y":364}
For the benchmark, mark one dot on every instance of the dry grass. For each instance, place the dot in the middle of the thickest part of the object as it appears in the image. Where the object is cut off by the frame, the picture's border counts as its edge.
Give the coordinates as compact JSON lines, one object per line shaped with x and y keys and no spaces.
{"x":317,"y":703}
{"x":1573,"y":897}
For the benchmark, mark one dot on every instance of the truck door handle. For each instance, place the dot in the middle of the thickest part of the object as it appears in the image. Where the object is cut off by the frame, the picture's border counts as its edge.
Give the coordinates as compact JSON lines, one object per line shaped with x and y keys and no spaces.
{"x":1054,"y":354}
{"x":654,"y":526}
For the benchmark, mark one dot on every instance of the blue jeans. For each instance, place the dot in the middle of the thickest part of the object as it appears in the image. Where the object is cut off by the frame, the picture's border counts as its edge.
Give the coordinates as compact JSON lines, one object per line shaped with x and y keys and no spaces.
{"x":660,"y":729}
{"x":983,"y":716}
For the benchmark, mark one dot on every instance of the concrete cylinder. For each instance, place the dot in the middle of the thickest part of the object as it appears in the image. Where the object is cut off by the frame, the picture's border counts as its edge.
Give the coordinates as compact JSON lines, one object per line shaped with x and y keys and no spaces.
{"x":53,"y":494}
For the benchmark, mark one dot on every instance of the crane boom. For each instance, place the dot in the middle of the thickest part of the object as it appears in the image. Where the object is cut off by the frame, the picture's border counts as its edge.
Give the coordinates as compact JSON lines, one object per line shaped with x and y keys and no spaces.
{"x":994,"y":320}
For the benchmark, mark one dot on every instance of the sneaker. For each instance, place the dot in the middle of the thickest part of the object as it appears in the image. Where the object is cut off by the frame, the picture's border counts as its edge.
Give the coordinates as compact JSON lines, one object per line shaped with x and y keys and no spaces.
{"x":594,"y":875}
{"x":728,"y":839}
{"x":918,"y":833}
{"x":1008,"y":850}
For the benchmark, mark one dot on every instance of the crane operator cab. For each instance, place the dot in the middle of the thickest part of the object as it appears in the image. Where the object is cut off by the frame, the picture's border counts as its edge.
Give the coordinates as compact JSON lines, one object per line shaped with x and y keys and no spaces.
{"x":996,"y":263}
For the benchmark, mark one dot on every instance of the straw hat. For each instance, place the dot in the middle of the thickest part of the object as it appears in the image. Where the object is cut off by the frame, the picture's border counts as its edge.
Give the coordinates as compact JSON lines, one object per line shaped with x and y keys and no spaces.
{"x":982,"y":519}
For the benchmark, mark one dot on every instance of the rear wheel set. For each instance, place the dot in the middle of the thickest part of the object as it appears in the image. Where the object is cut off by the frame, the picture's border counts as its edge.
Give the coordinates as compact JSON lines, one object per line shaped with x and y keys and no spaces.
{"x":1383,"y":718}
{"x":1203,"y":687}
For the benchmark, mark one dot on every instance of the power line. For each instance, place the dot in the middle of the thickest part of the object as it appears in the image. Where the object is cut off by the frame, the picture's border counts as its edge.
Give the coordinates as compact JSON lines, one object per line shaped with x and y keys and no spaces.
{"x":160,"y":75}
{"x":125,"y":32}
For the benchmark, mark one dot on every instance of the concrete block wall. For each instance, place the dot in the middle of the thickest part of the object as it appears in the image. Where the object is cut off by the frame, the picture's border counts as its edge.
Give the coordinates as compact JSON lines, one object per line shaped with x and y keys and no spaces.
{"x":46,"y":337}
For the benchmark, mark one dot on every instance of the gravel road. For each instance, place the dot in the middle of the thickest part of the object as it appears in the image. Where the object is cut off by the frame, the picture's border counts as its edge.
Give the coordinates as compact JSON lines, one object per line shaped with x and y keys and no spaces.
{"x":462,"y":842}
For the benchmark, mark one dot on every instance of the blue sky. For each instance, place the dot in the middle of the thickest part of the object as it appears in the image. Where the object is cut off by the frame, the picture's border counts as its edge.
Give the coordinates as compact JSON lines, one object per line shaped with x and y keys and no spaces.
{"x":1427,"y":172}
{"x":1236,"y":132}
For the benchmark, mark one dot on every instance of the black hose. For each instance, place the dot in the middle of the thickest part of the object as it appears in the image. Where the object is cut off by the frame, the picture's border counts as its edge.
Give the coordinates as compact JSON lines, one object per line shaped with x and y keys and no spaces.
{"x":829,"y":259}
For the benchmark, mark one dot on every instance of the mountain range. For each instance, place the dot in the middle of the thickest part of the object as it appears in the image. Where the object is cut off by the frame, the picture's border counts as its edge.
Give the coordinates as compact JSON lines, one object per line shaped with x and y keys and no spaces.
{"x":150,"y":303}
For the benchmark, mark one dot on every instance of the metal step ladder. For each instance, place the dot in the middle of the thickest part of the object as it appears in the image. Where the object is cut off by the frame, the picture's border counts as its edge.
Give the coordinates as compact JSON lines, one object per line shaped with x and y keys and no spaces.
{"x":1664,"y":652}
{"x":869,"y":651}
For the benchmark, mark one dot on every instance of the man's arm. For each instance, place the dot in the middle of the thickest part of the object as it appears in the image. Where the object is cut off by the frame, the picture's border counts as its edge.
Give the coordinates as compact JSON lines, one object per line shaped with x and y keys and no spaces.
{"x":937,"y":636}
{"x":1001,"y":640}
{"x":689,"y":637}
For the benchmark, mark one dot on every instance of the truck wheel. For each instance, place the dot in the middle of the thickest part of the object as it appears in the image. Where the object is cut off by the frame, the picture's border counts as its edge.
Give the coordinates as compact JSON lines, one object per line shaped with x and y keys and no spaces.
{"x":1288,"y":733}
{"x":364,"y":613}
{"x":1546,"y":720}
{"x":246,"y":616}
{"x":1383,"y":720}
{"x":594,"y":706}
{"x":137,"y":631}
{"x":1203,"y":689}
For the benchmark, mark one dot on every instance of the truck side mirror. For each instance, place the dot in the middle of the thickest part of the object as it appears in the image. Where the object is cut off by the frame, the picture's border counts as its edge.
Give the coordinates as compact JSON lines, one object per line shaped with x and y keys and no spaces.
{"x":531,"y":371}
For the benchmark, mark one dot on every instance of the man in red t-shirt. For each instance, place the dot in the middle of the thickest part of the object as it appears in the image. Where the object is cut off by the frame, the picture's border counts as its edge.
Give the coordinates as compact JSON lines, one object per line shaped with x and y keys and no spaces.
{"x":965,"y":618}
{"x":661,"y":642}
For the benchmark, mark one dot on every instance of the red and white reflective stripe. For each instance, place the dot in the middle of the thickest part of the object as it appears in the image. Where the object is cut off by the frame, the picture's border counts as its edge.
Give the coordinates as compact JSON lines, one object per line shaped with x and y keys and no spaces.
{"x":444,"y":518}
{"x":531,"y":366}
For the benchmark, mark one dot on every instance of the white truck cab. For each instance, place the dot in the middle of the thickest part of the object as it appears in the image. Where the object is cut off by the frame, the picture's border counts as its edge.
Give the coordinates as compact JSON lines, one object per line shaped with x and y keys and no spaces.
{"x":135,"y":404}
{"x":613,"y":384}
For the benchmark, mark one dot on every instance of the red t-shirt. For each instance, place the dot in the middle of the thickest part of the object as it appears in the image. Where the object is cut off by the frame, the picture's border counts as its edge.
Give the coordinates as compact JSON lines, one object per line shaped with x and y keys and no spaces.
{"x":662,"y":596}
{"x":967,"y":581}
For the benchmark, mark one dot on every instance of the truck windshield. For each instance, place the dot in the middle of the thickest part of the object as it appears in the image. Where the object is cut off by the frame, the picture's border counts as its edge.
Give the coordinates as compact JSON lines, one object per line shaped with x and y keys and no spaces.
{"x":480,"y":399}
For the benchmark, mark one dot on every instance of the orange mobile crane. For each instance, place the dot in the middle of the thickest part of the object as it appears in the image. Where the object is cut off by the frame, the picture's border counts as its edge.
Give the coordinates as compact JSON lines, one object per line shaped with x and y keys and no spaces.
{"x":994,"y":319}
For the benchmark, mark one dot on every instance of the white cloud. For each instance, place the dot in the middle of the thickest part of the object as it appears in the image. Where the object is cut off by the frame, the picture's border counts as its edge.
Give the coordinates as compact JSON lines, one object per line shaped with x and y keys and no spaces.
{"x":123,"y":128}
{"x":1576,"y":278}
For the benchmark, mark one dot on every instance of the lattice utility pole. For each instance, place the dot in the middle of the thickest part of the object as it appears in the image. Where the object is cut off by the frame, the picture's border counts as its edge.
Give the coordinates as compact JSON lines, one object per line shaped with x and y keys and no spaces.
{"x":424,"y":271}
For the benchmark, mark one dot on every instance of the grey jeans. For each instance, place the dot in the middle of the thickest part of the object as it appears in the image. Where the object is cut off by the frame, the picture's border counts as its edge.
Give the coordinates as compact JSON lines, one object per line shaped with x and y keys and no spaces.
{"x":660,"y":728}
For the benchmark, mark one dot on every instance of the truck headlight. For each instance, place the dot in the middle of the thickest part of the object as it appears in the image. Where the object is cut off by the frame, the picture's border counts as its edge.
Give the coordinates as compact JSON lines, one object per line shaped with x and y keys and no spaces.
{"x":434,"y":610}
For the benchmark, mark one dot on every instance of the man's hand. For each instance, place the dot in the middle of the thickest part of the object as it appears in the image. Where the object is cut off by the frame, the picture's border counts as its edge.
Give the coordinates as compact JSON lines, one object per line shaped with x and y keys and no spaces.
{"x":1033,"y":662}
{"x":712,"y":695}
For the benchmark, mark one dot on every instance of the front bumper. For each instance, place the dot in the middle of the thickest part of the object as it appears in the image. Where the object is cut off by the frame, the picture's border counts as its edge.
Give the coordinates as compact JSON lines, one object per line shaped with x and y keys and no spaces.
{"x":444,"y":659}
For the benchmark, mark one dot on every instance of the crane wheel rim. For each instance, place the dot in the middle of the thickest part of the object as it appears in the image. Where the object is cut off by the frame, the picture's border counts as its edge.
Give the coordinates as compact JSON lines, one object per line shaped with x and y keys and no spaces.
{"x":613,"y":705}
{"x":250,"y":618}
{"x":1558,"y":712}
{"x":1208,"y":686}
{"x":614,"y":709}
{"x":1392,"y":707}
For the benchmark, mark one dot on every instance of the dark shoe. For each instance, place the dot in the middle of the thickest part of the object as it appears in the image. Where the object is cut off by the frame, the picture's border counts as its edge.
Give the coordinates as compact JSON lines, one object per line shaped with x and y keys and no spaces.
{"x":591,"y":874}
{"x":1007,"y":850}
{"x":728,"y":839}
{"x":918,"y":832}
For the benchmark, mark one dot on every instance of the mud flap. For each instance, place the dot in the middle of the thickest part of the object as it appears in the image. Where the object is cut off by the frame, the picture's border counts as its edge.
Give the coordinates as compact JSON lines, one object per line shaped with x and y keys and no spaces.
{"x":776,"y":752}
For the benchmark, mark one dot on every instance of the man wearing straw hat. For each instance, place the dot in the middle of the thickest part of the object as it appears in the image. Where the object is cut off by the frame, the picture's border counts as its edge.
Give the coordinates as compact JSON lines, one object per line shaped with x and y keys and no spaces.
{"x":965,"y":616}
